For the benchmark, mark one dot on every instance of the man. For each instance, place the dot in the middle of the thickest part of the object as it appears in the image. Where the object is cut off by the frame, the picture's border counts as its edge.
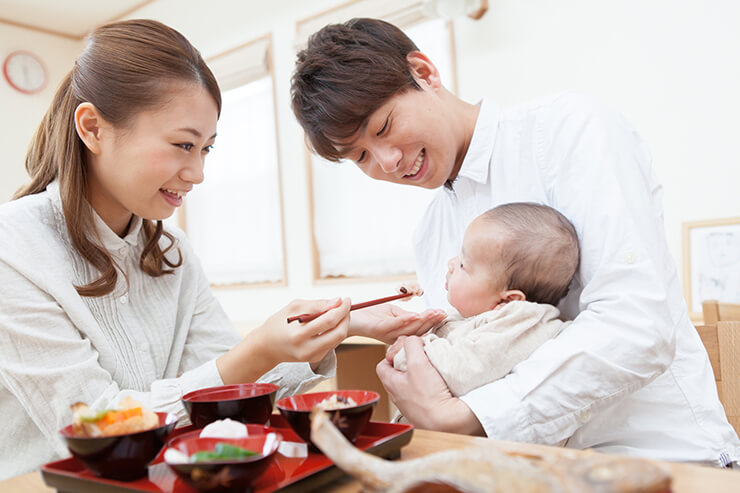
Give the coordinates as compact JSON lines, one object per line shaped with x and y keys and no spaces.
{"x":630,"y":374}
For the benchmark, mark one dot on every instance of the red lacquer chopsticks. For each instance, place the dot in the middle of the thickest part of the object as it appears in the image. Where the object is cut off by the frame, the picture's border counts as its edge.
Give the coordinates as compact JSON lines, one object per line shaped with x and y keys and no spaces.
{"x":307,"y":317}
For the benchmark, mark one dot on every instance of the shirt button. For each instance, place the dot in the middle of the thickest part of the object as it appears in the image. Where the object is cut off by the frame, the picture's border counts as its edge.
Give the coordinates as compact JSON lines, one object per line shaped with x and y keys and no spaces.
{"x":143,"y":347}
{"x":123,"y":299}
{"x":585,"y":416}
{"x":630,"y":258}
{"x":122,"y":250}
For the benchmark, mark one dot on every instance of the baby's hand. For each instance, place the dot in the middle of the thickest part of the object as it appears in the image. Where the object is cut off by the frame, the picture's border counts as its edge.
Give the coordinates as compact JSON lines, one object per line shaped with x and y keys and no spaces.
{"x":394,"y":348}
{"x":411,"y":287}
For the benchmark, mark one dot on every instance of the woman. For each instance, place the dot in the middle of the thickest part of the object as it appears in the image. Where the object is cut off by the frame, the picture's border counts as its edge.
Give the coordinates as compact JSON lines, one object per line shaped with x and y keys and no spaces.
{"x":98,"y":301}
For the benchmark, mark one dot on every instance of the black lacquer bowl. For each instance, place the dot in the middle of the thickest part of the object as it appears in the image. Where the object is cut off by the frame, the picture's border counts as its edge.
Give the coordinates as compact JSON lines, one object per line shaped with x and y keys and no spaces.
{"x":244,"y":402}
{"x":123,"y":457}
{"x":351,"y":421}
{"x":236,"y":475}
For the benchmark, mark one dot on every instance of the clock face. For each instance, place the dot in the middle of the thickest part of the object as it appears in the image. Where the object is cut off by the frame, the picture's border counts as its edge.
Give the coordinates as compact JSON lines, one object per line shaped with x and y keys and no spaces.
{"x":25,"y":72}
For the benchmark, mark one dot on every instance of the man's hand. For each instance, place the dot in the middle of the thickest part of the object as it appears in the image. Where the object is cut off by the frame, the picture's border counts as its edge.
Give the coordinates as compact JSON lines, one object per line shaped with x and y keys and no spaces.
{"x":422,"y":396}
{"x":393,"y":349}
{"x":387,"y":322}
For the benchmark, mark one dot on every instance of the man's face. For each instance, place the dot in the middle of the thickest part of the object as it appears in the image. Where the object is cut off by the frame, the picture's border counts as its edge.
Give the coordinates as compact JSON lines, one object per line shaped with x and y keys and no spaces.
{"x":411,"y":140}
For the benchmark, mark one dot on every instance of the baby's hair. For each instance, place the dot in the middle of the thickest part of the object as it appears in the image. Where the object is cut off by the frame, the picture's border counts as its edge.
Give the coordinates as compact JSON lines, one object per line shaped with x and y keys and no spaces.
{"x":540,"y":249}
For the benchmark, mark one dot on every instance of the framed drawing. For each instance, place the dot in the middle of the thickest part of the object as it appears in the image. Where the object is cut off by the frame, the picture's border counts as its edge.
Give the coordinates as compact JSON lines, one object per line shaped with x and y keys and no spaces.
{"x":711,"y":262}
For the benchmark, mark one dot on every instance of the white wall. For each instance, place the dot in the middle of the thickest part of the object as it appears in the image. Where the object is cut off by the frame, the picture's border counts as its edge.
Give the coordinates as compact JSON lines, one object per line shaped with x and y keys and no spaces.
{"x":21,"y":113}
{"x":669,"y":65}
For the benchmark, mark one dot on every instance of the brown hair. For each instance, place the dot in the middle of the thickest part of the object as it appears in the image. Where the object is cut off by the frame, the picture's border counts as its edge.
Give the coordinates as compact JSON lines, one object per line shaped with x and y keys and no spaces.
{"x":540,"y":252}
{"x":126,"y":67}
{"x":346,"y":72}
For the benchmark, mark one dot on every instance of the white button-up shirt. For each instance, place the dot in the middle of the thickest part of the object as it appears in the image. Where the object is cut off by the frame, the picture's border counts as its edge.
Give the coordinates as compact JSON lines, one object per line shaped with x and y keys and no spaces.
{"x":630,"y":374}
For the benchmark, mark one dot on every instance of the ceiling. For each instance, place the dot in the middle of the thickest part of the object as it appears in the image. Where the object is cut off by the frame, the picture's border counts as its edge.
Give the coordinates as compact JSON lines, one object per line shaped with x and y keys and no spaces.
{"x":69,"y":18}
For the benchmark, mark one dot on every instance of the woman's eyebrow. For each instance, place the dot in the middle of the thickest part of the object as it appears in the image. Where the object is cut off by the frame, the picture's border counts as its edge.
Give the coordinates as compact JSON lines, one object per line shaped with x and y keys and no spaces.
{"x":194,"y":131}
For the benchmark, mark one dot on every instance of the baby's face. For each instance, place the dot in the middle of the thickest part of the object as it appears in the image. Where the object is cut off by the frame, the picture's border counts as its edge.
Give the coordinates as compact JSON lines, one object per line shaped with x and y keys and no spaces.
{"x":472,"y":286}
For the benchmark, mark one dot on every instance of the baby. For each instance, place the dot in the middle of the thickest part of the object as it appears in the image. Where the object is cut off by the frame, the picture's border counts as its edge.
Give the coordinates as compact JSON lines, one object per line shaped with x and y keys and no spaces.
{"x":516,"y":263}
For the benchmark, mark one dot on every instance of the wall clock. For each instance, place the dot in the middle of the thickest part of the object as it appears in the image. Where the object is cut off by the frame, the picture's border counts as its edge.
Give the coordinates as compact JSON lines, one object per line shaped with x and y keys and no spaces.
{"x":25,"y":72}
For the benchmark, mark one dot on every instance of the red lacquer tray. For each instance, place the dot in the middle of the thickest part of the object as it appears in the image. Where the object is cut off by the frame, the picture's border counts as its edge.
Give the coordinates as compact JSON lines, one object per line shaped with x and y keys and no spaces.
{"x":284,"y":474}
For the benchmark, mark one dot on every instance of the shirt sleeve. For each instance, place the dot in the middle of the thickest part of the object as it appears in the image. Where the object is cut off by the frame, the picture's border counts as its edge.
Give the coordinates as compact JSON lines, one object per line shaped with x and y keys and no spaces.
{"x":596,"y":171}
{"x":203,"y":344}
{"x":48,"y":364}
{"x":210,"y":332}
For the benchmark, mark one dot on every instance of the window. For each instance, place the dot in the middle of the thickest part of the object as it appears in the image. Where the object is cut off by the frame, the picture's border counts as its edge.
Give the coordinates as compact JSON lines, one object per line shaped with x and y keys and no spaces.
{"x":363,"y":227}
{"x":234,"y":218}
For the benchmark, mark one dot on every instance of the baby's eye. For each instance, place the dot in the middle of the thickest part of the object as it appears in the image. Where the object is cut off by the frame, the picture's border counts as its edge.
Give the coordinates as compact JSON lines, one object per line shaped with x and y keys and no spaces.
{"x":186,"y":147}
{"x":208,"y":149}
{"x":461,"y":265}
{"x":362,"y":157}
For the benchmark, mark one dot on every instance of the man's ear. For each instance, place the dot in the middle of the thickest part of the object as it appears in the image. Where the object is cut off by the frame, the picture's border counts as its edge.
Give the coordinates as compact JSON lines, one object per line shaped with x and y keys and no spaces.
{"x":423,"y":70}
{"x":89,"y":125}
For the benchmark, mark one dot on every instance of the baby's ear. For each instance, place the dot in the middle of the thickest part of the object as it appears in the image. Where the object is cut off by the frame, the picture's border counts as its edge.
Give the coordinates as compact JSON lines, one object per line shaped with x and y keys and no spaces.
{"x":513,"y":295}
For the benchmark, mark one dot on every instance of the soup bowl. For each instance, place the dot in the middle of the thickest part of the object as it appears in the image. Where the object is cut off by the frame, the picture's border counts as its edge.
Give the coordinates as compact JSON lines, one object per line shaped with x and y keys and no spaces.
{"x":244,"y":402}
{"x":124,"y":457}
{"x":349,"y":419}
{"x":223,"y":475}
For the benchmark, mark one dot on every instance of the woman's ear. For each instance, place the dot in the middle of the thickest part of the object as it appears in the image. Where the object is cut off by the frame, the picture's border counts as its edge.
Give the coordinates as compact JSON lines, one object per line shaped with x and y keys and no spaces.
{"x":89,"y":124}
{"x":423,"y":70}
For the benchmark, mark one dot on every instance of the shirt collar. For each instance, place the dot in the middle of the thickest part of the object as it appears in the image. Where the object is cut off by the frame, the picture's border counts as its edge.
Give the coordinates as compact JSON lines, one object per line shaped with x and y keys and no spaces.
{"x":476,"y":164}
{"x":111,"y":241}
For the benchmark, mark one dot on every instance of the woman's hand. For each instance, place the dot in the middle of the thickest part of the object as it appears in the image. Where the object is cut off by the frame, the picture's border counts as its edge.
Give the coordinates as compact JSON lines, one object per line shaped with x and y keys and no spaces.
{"x":420,"y":393}
{"x":277,"y":341}
{"x":387,"y":322}
{"x":309,"y":341}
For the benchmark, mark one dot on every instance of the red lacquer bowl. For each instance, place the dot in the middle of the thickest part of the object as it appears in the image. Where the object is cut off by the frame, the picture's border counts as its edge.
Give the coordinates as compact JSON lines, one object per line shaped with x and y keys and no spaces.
{"x":122,"y":457}
{"x":226,"y":475}
{"x":252,"y":431}
{"x":244,"y":402}
{"x":350,"y":420}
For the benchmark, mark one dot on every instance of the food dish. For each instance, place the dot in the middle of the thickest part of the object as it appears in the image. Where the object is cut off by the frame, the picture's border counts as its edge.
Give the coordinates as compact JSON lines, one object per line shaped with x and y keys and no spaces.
{"x":130,"y":417}
{"x":123,"y":456}
{"x":485,"y":468}
{"x":223,"y":464}
{"x":289,"y":475}
{"x":350,"y":420}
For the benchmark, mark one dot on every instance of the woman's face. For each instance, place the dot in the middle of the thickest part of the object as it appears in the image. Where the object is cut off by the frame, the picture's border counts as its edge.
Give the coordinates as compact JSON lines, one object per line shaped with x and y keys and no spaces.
{"x":148,"y":167}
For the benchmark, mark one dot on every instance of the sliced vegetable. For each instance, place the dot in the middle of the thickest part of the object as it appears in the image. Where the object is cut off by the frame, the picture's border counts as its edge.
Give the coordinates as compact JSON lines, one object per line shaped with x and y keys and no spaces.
{"x":222,"y":451}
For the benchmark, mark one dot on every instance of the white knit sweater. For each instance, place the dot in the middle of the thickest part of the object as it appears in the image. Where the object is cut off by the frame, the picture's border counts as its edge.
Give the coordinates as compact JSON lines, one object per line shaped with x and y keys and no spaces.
{"x":153,"y":338}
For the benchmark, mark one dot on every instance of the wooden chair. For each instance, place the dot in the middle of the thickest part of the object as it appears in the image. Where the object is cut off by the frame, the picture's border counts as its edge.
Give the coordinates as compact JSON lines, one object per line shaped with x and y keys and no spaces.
{"x":722,"y":341}
{"x":714,"y":311}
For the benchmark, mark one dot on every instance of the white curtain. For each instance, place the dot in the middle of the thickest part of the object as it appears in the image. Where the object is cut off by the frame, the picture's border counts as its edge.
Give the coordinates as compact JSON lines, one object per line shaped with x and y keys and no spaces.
{"x":364,"y":227}
{"x":234,"y":217}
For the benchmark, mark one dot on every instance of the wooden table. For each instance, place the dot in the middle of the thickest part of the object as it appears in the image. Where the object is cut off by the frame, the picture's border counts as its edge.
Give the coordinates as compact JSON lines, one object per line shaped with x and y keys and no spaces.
{"x":686,"y":478}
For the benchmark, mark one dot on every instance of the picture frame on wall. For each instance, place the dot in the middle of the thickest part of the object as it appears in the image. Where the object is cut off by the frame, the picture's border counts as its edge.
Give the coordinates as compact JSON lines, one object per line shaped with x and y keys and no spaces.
{"x":711,"y":262}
